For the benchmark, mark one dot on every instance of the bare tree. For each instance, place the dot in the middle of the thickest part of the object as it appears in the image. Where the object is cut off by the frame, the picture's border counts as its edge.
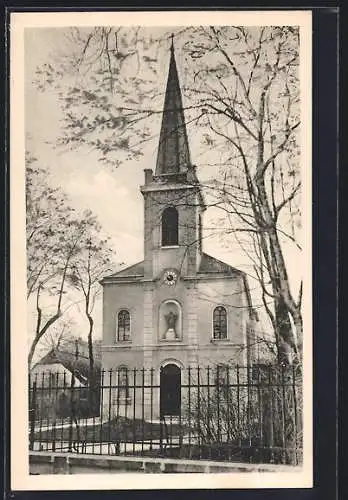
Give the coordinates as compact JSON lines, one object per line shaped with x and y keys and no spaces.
{"x":93,"y":263}
{"x":247,"y":81}
{"x":58,"y":336}
{"x":57,"y":238}
{"x":235,"y":409}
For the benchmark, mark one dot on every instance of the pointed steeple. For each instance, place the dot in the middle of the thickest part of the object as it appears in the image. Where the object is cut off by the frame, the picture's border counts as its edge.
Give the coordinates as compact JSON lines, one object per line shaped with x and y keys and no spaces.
{"x":173,"y":151}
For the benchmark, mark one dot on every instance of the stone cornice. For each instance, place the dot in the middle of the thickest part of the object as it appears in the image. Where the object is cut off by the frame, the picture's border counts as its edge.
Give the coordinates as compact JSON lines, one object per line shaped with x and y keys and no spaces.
{"x":167,"y":187}
{"x":172,"y":346}
{"x":140,"y":279}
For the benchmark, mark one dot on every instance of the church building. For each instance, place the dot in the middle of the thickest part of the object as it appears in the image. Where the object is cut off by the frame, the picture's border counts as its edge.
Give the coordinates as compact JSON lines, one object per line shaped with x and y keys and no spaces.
{"x":178,"y":307}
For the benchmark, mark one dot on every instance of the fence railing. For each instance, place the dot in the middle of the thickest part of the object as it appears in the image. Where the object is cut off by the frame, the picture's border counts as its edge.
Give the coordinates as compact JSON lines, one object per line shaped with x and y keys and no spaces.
{"x":247,"y":414}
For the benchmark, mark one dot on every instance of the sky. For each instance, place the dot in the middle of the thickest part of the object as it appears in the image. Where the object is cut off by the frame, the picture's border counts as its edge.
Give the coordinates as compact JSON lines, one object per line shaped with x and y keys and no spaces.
{"x":109,"y":194}
{"x":112,"y":195}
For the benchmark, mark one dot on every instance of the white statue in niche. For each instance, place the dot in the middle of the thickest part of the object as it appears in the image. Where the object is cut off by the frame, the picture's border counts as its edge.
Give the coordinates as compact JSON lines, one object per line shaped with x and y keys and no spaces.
{"x":171,"y":319}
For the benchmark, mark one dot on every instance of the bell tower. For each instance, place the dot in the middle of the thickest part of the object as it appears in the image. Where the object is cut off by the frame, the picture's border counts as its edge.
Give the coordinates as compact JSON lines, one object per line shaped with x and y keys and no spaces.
{"x":173,"y":201}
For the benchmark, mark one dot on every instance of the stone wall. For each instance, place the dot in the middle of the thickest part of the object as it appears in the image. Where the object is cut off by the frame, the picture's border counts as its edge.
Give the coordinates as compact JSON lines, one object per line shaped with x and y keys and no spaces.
{"x":68,"y":463}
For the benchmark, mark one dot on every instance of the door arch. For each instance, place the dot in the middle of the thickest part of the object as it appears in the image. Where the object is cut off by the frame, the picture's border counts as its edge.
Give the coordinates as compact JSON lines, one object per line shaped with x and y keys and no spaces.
{"x":170,"y":390}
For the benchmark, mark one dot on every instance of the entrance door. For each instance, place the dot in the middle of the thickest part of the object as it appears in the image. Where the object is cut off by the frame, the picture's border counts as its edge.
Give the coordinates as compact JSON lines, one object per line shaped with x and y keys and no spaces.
{"x":170,"y":383}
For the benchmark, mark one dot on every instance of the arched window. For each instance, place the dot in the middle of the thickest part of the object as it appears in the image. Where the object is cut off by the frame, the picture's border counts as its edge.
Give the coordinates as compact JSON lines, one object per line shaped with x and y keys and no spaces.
{"x":121,"y":396}
{"x":220,"y":323}
{"x":170,"y":233}
{"x":123,"y":325}
{"x":123,"y":382}
{"x":222,"y":380}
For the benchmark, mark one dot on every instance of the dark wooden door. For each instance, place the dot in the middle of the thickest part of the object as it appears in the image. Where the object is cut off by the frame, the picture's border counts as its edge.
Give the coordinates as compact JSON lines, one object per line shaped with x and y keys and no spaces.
{"x":170,"y":396}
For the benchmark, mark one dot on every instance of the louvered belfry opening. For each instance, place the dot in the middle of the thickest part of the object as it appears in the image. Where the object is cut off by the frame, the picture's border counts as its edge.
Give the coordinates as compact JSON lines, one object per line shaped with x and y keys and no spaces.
{"x":170,"y":227}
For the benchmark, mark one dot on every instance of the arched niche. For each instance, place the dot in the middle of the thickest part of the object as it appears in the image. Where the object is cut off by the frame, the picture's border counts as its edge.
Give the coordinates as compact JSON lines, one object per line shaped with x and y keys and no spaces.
{"x":170,"y":321}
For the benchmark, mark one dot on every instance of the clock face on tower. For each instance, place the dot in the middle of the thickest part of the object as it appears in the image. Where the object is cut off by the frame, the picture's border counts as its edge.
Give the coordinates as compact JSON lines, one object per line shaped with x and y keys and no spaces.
{"x":170,"y":277}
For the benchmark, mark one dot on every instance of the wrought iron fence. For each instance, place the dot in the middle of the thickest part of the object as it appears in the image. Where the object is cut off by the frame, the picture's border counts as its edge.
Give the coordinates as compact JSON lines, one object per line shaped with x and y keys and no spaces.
{"x":239,"y":413}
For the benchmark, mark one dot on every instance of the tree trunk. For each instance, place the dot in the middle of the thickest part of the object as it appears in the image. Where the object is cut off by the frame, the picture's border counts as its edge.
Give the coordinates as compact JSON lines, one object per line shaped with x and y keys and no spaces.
{"x":40,"y":334}
{"x":284,"y":303}
{"x":284,"y":332}
{"x":90,"y":344}
{"x":32,"y":350}
{"x":299,"y":334}
{"x":92,"y":384}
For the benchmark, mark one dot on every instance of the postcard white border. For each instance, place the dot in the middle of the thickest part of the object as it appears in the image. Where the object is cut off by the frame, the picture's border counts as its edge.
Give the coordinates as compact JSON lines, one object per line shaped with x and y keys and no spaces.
{"x":20,"y":478}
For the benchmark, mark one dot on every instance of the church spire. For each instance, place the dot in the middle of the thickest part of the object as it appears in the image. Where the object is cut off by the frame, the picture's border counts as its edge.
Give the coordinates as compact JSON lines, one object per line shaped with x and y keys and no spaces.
{"x":173,"y":151}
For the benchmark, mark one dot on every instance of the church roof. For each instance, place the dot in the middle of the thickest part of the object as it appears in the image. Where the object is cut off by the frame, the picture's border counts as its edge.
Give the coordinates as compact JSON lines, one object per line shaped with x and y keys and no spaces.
{"x":211,"y":265}
{"x":173,"y":151}
{"x":208,"y":265}
{"x":131,"y":271}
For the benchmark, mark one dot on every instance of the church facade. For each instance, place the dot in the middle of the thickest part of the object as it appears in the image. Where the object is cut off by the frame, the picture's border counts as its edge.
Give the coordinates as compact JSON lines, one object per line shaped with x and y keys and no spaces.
{"x":179,"y":307}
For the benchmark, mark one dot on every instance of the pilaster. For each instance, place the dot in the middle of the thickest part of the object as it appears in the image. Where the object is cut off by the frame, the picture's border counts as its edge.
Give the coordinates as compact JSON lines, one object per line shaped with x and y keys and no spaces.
{"x":148,"y":347}
{"x":191,"y":325}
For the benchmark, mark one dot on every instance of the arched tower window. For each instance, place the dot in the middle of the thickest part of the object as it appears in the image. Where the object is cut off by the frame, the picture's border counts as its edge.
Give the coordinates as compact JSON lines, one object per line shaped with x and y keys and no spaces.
{"x":170,"y":232}
{"x":123,"y":325}
{"x":220,"y":323}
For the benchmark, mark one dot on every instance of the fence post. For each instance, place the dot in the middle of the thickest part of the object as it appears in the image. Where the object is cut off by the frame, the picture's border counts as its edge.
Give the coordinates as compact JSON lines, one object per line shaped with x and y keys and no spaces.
{"x":228,"y":410}
{"x":101,"y":410}
{"x":161,"y":415}
{"x":249,"y":410}
{"x":72,"y":412}
{"x":217,"y":388}
{"x":270,"y":399}
{"x":295,"y":414}
{"x":238,"y":407}
{"x":57,"y":411}
{"x":208,"y":413}
{"x":134,"y":437}
{"x":283,"y":396}
{"x":32,"y":416}
{"x":142,"y":408}
{"x":189,"y":409}
{"x":110,"y":409}
{"x":199,"y":412}
{"x":151,"y":404}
